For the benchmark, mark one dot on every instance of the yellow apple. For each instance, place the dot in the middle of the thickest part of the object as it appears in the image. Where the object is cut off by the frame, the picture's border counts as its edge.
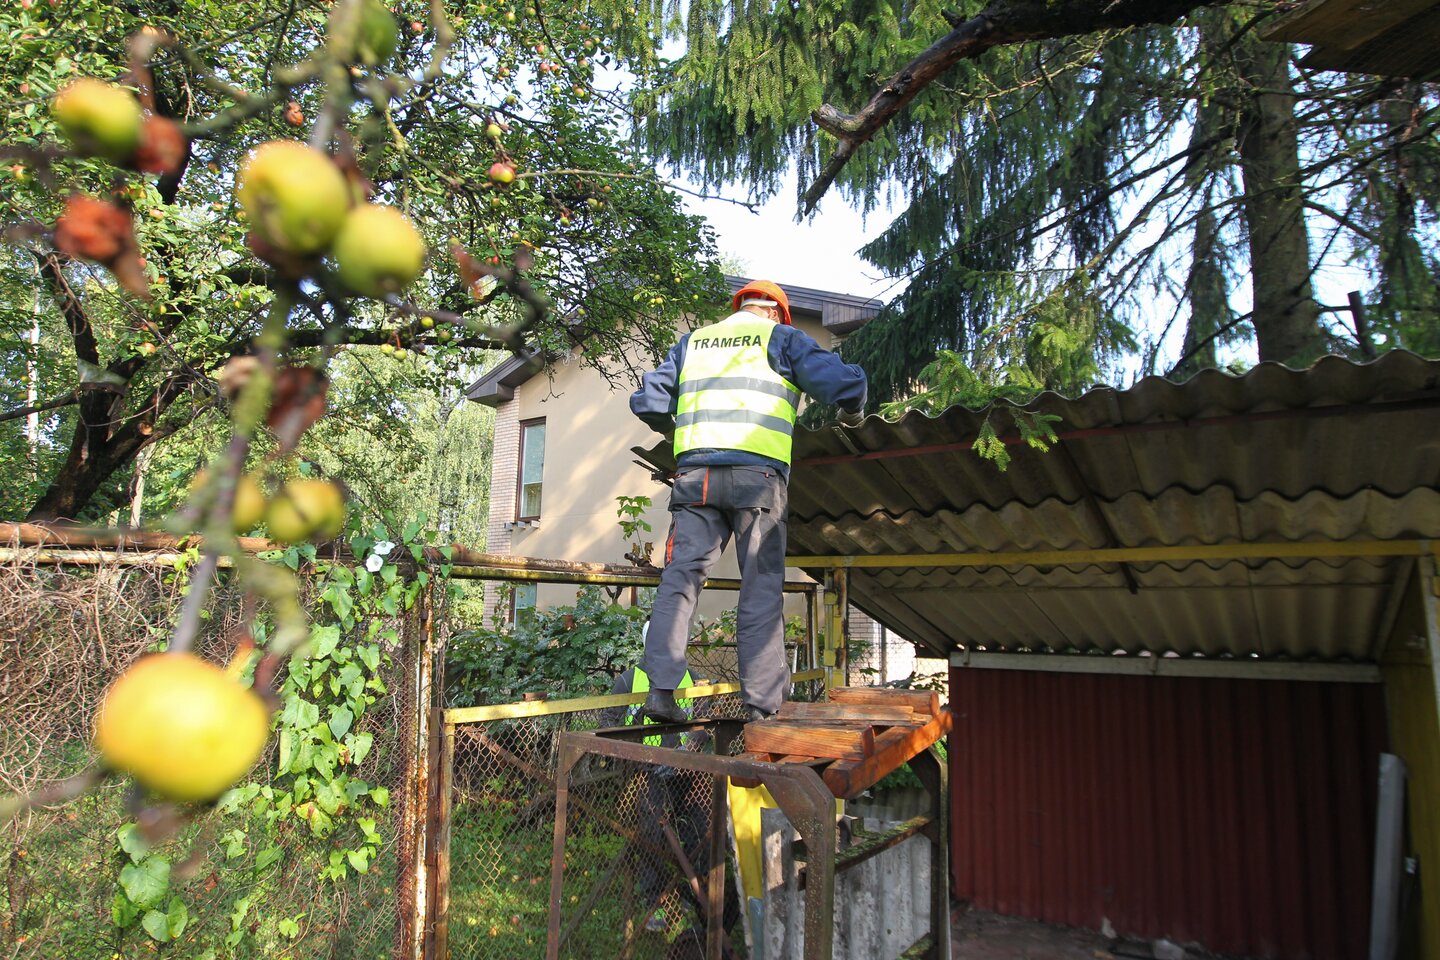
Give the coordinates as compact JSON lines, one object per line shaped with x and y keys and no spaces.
{"x":306,"y":508}
{"x":100,"y":118}
{"x":248,"y":507}
{"x":295,"y":196}
{"x":378,"y":251}
{"x":181,"y":727}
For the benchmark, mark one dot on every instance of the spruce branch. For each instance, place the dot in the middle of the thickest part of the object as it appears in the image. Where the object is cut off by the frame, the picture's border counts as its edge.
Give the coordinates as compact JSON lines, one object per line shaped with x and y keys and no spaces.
{"x":1003,"y":22}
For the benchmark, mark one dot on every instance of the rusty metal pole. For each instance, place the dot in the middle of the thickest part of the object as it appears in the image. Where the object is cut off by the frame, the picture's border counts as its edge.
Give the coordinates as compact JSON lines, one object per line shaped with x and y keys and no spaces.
{"x":715,"y":884}
{"x":810,"y":807}
{"x":570,"y":752}
{"x":934,"y":775}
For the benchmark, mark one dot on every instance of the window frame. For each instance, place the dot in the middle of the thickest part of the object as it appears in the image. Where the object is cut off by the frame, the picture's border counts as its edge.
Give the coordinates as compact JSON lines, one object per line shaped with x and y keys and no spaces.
{"x":520,"y":472}
{"x":515,"y":607}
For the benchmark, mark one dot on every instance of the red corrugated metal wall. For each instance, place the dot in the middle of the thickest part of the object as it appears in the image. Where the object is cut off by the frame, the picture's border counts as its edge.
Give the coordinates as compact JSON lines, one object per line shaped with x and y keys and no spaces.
{"x":1238,"y":814}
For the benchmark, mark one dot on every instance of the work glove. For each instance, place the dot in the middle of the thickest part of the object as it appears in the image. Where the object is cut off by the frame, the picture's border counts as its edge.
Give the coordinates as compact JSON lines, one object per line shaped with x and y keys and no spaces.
{"x":850,"y":419}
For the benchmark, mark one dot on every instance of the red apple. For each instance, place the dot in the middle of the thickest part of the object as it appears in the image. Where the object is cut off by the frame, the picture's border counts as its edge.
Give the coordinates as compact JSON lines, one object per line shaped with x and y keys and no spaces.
{"x":502,"y":172}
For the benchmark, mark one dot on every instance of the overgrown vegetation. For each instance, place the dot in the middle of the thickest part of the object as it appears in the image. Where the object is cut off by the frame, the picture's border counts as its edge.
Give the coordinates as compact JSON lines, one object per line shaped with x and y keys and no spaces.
{"x":571,"y":650}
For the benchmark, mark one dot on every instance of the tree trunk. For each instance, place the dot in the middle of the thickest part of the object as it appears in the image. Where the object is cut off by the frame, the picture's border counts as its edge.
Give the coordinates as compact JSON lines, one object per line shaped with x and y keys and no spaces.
{"x":1286,"y":318}
{"x":1210,"y":313}
{"x":95,"y":454}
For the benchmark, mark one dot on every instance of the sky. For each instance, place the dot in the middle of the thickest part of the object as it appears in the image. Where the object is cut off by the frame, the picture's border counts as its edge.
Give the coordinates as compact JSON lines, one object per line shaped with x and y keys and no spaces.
{"x":819,"y":253}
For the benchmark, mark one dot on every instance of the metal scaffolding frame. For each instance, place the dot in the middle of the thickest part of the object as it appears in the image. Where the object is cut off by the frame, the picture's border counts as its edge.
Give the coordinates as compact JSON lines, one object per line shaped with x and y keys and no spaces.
{"x":804,"y":799}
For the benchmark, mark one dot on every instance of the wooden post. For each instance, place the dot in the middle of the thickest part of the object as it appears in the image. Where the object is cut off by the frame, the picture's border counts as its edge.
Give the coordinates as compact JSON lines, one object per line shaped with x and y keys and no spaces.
{"x":934,"y":775}
{"x":715,"y":934}
{"x":438,"y":945}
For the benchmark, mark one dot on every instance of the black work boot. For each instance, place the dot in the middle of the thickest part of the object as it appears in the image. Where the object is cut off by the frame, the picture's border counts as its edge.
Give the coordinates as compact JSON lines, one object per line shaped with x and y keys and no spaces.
{"x":755,"y":713}
{"x":661,"y":707}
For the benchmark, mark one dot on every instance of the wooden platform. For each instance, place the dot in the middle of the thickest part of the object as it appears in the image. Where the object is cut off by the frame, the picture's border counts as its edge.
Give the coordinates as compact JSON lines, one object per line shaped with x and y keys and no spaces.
{"x":852,"y":740}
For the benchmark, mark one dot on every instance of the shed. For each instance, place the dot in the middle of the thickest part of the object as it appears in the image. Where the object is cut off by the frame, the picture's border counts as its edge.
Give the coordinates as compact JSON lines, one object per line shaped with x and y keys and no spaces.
{"x":1179,"y":641}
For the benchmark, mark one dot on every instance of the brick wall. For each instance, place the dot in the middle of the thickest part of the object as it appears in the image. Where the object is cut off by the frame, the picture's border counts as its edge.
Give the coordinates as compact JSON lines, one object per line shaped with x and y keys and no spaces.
{"x":504,"y":467}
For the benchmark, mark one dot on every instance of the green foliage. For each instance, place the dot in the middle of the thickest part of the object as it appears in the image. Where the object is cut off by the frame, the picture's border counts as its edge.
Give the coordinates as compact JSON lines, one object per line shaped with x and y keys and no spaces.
{"x":631,"y":512}
{"x":333,"y":698}
{"x":1087,"y":188}
{"x":568,"y":650}
{"x":614,"y":254}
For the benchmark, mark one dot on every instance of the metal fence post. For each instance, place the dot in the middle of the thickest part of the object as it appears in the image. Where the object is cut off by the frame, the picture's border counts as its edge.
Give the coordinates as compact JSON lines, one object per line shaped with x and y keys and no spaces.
{"x":426,"y":746}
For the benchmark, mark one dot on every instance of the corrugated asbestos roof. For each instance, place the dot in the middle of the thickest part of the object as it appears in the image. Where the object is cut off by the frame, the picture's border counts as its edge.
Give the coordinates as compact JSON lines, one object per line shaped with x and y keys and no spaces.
{"x":1334,"y":452}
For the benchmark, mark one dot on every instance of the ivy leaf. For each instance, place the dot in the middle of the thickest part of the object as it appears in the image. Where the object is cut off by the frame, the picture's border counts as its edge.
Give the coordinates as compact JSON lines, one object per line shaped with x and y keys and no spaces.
{"x":381,"y":796}
{"x":359,"y":859}
{"x":341,"y":718}
{"x":370,"y":656}
{"x":132,"y":842}
{"x":269,"y":855}
{"x":122,"y":911}
{"x":325,"y":640}
{"x":234,"y":844}
{"x":340,"y":601}
{"x":167,"y":926}
{"x":287,"y":748}
{"x":146,"y":883}
{"x":360,"y":746}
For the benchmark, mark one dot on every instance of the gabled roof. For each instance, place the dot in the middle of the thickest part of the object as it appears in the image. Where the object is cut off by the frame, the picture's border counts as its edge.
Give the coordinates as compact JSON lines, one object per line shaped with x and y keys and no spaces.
{"x":837,"y":312}
{"x":1339,"y":451}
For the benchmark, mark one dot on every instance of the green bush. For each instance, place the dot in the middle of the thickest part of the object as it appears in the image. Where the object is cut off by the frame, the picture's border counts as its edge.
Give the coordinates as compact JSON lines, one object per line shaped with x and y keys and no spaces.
{"x":570,"y":650}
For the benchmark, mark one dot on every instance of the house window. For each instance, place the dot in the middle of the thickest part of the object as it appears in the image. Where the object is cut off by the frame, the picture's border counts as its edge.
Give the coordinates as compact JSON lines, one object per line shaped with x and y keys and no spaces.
{"x":522,"y":603}
{"x":532,"y":469}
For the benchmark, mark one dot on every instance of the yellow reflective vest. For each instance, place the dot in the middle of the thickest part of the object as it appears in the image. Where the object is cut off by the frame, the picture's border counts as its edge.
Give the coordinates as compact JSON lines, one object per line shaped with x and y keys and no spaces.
{"x":640,"y":683}
{"x":730,"y":398}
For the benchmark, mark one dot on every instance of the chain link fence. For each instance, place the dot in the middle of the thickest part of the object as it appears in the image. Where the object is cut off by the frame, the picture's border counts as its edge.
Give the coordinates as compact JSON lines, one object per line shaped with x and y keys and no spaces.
{"x":66,"y":633}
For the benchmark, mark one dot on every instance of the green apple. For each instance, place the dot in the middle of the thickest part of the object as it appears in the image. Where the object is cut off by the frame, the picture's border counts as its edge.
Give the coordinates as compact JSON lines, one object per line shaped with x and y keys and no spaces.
{"x":378,"y":251}
{"x":305,"y":508}
{"x":248,"y":506}
{"x":295,"y":196}
{"x":100,"y":118}
{"x":376,"y":32}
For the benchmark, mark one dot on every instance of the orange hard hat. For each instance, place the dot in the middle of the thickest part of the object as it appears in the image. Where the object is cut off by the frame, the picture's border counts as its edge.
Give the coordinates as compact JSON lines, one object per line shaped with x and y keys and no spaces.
{"x":763,"y":290}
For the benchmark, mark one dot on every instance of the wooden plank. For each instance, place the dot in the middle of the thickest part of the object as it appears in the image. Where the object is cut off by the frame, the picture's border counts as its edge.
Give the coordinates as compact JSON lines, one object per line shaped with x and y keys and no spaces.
{"x":877,"y":712}
{"x":811,"y":739}
{"x":921,"y":701}
{"x":1341,"y":24}
{"x":849,"y":777}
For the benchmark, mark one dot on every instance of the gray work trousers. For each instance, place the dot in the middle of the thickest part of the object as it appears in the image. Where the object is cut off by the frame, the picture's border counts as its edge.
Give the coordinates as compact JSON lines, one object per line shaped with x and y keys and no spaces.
{"x":707,"y":506}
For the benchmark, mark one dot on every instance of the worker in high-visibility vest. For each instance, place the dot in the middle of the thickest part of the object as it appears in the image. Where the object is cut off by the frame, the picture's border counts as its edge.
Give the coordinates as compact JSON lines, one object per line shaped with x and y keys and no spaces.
{"x":729,"y":394}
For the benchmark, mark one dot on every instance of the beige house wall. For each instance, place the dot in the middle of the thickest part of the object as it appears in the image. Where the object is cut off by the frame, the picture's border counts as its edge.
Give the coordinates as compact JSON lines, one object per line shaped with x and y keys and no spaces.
{"x":589,"y":431}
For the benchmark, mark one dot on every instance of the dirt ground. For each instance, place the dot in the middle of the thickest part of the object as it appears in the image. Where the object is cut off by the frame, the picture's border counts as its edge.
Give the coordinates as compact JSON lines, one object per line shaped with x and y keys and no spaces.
{"x":978,"y":935}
